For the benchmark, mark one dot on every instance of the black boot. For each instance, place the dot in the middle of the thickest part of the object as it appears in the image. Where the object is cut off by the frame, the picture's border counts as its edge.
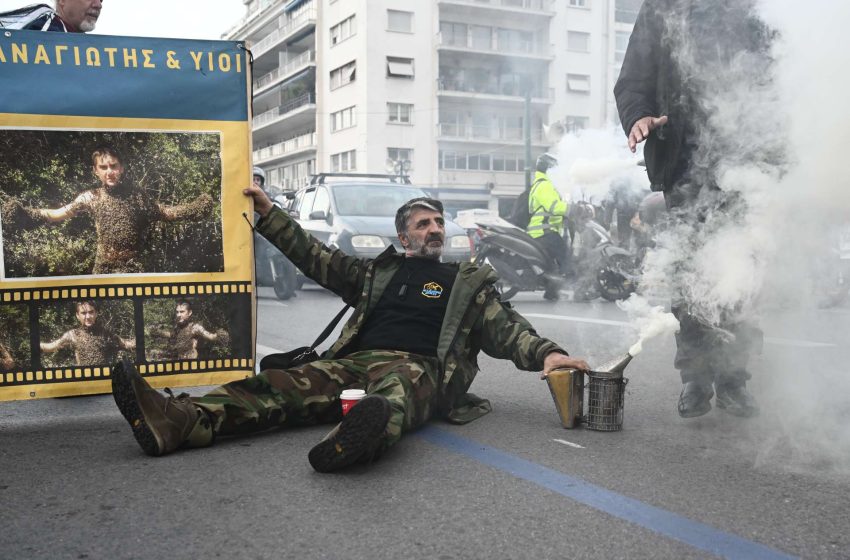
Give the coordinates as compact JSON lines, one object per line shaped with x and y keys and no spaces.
{"x":736,"y":400}
{"x":358,"y":438}
{"x":695,"y":399}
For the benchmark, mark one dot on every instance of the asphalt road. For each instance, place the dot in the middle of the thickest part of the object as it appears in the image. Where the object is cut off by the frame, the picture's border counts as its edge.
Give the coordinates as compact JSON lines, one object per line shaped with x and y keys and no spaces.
{"x":514,"y":484}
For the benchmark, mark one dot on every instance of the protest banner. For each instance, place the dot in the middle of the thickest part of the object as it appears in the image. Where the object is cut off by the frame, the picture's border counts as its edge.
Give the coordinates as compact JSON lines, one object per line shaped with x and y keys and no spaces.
{"x":122,"y":163}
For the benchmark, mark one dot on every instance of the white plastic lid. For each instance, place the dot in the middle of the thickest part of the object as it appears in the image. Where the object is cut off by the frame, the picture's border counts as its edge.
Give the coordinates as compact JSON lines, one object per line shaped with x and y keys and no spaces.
{"x":352,"y":394}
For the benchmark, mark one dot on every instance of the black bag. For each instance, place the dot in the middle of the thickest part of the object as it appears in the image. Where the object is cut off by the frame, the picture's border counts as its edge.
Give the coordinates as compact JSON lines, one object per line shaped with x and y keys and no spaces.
{"x":520,"y":216}
{"x":303,"y":354}
{"x":519,"y":213}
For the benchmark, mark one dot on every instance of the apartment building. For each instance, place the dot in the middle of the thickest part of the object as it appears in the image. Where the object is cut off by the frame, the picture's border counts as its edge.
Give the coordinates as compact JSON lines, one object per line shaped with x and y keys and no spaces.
{"x":436,"y":90}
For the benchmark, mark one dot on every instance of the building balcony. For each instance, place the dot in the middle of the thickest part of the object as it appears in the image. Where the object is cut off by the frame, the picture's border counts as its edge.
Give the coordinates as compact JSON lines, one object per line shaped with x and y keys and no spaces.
{"x":519,"y":49}
{"x":505,"y":92}
{"x":283,"y":111}
{"x":297,"y":64}
{"x":285,"y":149}
{"x":545,"y":8}
{"x":471,"y":133}
{"x":293,"y":28}
{"x":266,"y":11}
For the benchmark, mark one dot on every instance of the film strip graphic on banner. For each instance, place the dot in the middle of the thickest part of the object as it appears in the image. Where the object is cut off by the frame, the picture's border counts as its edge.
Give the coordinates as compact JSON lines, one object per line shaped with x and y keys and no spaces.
{"x":72,"y":334}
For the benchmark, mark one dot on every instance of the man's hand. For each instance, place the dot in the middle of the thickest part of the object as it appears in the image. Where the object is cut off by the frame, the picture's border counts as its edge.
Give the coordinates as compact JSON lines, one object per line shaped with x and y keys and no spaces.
{"x":262,"y":203}
{"x":641,"y":129}
{"x":555,"y":360}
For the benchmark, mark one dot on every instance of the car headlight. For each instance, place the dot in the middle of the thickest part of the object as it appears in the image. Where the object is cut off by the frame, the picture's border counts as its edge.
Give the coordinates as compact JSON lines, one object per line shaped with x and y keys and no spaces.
{"x":367,"y":242}
{"x":459,"y":242}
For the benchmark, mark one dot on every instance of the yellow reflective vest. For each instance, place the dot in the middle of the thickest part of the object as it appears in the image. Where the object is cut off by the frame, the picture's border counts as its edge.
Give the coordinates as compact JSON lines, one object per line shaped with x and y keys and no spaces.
{"x":546,"y":207}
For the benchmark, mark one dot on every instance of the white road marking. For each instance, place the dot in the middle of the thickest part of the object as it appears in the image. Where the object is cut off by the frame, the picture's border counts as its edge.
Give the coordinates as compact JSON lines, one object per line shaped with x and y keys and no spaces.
{"x":767,"y":339}
{"x":580,"y":319}
{"x":271,"y":303}
{"x":263,"y":350}
{"x":798,"y":343}
{"x":571,"y":444}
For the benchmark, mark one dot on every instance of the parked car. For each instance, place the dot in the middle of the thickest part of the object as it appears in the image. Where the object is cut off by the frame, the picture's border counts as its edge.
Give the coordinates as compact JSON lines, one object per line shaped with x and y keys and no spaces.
{"x":356,"y":213}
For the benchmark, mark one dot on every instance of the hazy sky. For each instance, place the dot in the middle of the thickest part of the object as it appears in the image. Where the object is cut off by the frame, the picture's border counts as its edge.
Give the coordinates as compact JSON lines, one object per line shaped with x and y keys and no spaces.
{"x":187,"y":19}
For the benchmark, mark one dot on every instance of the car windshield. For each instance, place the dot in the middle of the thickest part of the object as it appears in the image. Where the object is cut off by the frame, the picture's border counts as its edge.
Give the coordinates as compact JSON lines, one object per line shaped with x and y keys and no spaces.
{"x":372,"y":200}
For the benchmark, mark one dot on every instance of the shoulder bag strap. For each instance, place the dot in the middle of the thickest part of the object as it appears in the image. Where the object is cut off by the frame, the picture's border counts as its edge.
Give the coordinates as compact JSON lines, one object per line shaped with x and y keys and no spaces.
{"x":329,"y":329}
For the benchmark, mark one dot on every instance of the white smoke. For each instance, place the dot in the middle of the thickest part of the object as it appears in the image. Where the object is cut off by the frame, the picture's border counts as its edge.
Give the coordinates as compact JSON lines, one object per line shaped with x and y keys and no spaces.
{"x":649,"y":320}
{"x":779,"y":146}
{"x":590,"y":161}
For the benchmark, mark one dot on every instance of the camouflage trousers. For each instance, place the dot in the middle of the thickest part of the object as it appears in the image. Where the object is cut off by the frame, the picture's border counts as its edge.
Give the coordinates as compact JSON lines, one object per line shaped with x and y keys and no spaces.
{"x":309,"y":395}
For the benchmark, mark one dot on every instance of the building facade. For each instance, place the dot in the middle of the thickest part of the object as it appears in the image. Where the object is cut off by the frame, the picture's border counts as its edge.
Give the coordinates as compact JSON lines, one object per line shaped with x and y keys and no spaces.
{"x":444,"y":91}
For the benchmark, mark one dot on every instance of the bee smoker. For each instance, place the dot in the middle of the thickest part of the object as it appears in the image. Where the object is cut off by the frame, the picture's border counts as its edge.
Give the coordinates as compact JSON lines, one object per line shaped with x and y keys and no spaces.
{"x":606,"y":388}
{"x":567,"y":388}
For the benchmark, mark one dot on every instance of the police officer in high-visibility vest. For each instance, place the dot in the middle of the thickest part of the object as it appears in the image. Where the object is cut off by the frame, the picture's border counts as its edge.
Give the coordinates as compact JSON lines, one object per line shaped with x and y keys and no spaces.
{"x":548,"y":213}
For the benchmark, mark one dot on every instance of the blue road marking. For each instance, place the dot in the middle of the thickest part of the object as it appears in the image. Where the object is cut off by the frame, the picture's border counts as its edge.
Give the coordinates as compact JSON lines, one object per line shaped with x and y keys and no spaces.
{"x":695,"y":534}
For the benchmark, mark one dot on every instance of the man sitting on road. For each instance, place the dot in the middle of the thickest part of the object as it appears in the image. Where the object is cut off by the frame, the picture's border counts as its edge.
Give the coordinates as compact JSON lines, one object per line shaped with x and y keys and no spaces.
{"x":411,"y":369}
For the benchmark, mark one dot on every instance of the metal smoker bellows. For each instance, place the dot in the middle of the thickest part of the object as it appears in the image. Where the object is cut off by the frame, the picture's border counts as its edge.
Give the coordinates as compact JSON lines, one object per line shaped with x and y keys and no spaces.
{"x":605,"y":391}
{"x":606,"y":388}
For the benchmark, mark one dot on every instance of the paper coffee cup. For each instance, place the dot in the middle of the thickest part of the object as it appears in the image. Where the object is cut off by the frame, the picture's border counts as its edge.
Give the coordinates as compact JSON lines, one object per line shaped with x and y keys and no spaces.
{"x":349,"y":398}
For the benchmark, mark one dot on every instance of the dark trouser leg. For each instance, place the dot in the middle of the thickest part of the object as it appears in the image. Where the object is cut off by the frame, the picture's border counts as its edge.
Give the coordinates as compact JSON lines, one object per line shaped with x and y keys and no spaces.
{"x":411,"y":384}
{"x":556,"y":248}
{"x":301,"y":396}
{"x":707,"y":355}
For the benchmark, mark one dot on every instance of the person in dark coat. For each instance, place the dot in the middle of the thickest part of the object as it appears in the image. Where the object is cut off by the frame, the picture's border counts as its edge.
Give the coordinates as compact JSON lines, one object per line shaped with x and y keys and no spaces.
{"x":679,"y":55}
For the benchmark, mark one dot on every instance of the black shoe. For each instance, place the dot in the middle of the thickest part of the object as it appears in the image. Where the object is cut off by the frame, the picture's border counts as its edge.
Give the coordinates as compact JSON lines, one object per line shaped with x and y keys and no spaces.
{"x":357,"y":438}
{"x":736,"y":400}
{"x":695,"y":400}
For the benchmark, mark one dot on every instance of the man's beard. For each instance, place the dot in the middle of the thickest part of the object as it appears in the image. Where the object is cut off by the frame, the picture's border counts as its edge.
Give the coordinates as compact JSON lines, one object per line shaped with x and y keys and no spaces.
{"x":88,"y":25}
{"x":424,"y":250}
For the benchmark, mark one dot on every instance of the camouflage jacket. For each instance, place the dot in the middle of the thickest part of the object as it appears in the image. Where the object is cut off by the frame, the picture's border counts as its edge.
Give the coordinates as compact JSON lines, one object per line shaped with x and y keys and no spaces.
{"x":475,"y":318}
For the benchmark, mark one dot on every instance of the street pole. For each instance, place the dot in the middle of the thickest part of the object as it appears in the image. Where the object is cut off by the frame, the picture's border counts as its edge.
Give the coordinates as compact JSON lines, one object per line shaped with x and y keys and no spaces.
{"x":527,"y":134}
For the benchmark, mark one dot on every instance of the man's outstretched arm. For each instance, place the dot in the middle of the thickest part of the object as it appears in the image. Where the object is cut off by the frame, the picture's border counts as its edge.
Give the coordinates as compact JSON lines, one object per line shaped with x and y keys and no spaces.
{"x":219,"y":336}
{"x":198,"y":209}
{"x":507,"y":334}
{"x":63,"y":341}
{"x":14,"y":209}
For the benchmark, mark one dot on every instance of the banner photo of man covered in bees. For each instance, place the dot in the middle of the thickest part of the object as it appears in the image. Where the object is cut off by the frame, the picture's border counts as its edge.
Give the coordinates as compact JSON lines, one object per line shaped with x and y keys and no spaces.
{"x":121,"y":215}
{"x":78,"y":203}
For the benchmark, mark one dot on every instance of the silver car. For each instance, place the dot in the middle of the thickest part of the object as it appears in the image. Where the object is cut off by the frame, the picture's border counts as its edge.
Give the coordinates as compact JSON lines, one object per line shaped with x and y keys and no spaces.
{"x":356,"y":213}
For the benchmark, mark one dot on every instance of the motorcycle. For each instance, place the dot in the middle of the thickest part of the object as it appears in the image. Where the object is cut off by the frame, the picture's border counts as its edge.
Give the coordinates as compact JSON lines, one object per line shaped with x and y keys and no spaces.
{"x":273,"y":269}
{"x":602,"y":268}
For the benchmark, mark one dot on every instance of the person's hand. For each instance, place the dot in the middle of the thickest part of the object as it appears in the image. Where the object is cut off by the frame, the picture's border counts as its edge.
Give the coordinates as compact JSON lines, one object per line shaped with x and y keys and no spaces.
{"x":262,"y":203}
{"x":641,"y":129}
{"x":555,"y":360}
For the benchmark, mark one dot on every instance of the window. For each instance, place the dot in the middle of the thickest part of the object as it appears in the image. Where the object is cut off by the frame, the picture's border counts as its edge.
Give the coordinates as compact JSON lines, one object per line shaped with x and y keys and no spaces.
{"x":579,"y":3}
{"x":573,"y":123}
{"x":342,"y":31}
{"x":401,"y":154}
{"x":621,"y":43}
{"x":344,"y":161}
{"x":343,"y":75}
{"x":399,"y":67}
{"x":578,"y":83}
{"x":481,"y":37}
{"x":343,"y":119}
{"x":515,"y":40}
{"x":626,"y":11}
{"x":578,"y":41}
{"x":453,"y":34}
{"x":400,"y":21}
{"x":322,"y":201}
{"x":400,"y":113}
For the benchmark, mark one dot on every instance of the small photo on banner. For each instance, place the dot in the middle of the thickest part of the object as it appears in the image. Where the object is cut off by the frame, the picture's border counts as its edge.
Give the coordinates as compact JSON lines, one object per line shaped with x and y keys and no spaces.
{"x":86,"y":332}
{"x":193,"y":328}
{"x":14,"y":337}
{"x":78,"y":203}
